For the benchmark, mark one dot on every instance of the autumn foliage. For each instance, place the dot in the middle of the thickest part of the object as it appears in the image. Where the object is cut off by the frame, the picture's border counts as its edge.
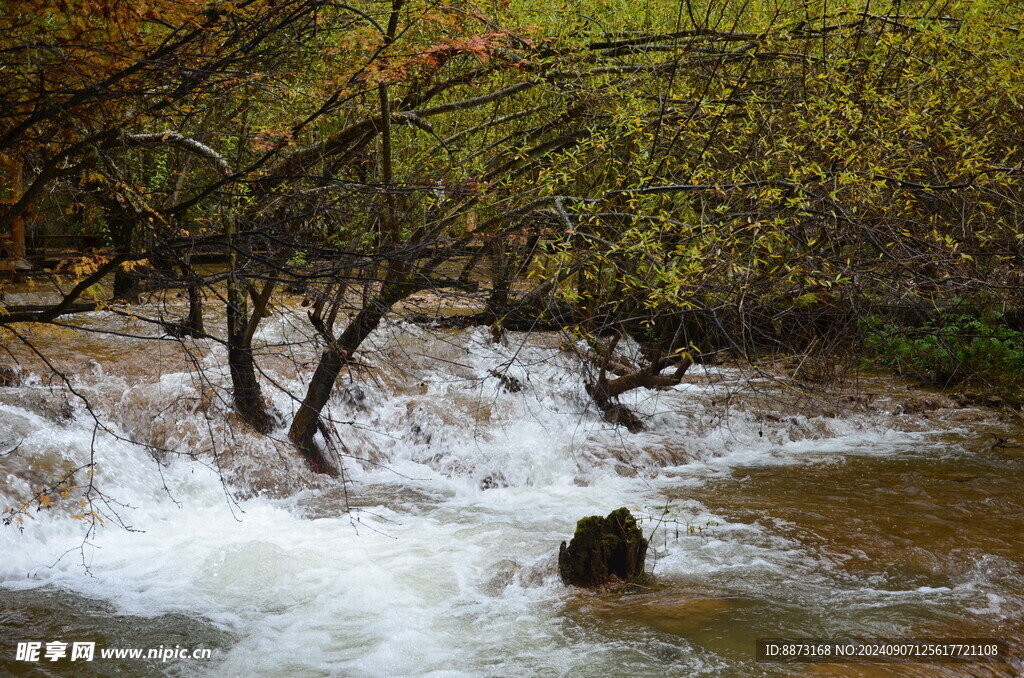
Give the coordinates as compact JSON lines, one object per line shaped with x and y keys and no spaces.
{"x":686,"y":178}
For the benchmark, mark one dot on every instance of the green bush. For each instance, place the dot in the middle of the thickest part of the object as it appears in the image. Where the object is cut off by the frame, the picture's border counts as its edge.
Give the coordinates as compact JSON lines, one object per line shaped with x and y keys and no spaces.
{"x":953,"y":350}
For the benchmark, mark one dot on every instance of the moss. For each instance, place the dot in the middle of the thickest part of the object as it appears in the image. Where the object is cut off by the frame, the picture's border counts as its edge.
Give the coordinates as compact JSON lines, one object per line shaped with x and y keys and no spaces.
{"x":588,"y":526}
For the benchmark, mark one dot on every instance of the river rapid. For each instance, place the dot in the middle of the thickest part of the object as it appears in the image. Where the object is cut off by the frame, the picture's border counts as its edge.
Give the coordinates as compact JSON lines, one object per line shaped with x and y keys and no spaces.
{"x":772,"y":511}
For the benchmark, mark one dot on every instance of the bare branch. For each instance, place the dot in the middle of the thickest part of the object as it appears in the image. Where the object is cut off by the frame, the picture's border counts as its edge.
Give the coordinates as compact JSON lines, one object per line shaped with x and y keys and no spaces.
{"x":189,"y":144}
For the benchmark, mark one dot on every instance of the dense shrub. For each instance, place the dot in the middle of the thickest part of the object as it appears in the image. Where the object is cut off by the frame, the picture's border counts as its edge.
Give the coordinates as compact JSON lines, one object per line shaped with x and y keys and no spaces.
{"x":954,"y":349}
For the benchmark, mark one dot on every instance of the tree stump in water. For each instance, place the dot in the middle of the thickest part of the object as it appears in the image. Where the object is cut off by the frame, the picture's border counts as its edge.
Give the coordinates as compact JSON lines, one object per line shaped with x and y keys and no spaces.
{"x":603,"y":550}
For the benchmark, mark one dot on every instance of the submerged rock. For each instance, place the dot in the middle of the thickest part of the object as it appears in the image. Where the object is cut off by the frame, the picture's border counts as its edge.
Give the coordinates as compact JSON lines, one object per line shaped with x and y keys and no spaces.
{"x":505,"y":572}
{"x":10,"y":376}
{"x":603,"y":550}
{"x":54,"y":407}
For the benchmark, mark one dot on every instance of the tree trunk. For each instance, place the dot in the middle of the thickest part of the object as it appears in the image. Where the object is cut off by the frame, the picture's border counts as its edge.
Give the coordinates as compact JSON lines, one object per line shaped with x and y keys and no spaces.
{"x":307,"y":420}
{"x":245,"y":389}
{"x":195,"y":310}
{"x":605,"y":393}
{"x":126,"y":284}
{"x":248,"y":399}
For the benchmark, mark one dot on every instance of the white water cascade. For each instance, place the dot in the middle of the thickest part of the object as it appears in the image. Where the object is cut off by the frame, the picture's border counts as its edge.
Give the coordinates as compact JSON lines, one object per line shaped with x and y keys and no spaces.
{"x":436,"y":556}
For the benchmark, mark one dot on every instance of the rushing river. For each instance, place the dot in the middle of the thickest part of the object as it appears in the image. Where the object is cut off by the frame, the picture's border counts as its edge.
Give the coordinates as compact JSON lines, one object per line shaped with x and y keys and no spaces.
{"x":883,"y":513}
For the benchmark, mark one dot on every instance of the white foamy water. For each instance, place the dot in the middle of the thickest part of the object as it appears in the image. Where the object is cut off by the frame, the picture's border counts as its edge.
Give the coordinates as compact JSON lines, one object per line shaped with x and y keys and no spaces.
{"x":437,"y":558}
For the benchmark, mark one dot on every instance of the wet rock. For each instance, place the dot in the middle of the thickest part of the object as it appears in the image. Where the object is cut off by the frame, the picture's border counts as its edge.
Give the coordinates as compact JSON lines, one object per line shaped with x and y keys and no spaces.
{"x":924,"y":404}
{"x":492,"y":481}
{"x":9,"y":376}
{"x":505,"y":572}
{"x":537,"y":575}
{"x":508,"y":382}
{"x":54,"y":407}
{"x":603,"y":551}
{"x":419,"y":436}
{"x":353,"y":396}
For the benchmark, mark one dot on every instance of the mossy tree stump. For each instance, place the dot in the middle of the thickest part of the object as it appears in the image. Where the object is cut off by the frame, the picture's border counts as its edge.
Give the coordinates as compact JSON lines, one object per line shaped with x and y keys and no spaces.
{"x":603,"y":550}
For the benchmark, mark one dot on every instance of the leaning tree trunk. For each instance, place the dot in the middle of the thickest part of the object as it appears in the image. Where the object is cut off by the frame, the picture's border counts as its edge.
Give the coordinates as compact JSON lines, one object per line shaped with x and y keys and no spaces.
{"x":338,"y":353}
{"x":308,"y":419}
